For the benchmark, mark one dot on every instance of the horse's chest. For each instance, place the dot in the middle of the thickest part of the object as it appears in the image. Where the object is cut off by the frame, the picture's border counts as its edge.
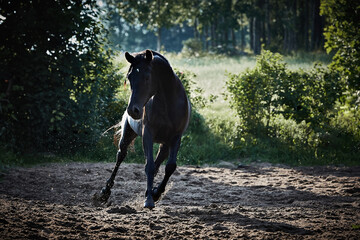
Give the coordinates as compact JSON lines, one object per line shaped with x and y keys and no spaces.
{"x":161,"y":121}
{"x":161,"y":129}
{"x":136,"y":125}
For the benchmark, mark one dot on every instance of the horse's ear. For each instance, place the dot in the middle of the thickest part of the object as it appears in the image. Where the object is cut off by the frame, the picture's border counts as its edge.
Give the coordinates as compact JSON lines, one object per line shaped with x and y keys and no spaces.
{"x":130,"y":58}
{"x":149,"y":55}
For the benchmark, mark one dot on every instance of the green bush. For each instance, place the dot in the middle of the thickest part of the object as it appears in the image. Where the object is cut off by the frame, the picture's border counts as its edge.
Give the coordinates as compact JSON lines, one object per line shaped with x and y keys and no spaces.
{"x":271,"y":89}
{"x":296,"y":111}
{"x":255,"y":93}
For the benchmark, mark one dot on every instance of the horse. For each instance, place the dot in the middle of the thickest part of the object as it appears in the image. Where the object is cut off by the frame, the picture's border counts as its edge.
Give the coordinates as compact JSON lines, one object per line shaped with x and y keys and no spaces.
{"x":158,"y":111}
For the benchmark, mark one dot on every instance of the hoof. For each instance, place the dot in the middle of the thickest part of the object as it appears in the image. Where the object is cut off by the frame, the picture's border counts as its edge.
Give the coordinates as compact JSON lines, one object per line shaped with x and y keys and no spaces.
{"x":104,"y":195}
{"x":100,"y":199}
{"x":96,"y":200}
{"x":149,"y":203}
{"x":156,"y":194}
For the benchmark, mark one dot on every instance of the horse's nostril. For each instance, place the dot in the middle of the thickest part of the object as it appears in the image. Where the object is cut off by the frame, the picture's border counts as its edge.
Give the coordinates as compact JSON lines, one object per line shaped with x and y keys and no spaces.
{"x":136,"y":110}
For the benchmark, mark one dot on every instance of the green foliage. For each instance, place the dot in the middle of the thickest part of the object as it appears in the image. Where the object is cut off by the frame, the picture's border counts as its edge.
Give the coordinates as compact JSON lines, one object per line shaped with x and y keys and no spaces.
{"x":296,"y":111}
{"x":271,"y":89}
{"x":155,"y":14}
{"x":194,"y":92}
{"x":254,"y":93}
{"x":342,"y":36}
{"x":57,"y":78}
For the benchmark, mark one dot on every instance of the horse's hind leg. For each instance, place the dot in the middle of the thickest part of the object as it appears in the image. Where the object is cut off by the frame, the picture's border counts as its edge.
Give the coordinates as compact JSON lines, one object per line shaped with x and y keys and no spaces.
{"x":169,"y":169}
{"x":127,"y":136}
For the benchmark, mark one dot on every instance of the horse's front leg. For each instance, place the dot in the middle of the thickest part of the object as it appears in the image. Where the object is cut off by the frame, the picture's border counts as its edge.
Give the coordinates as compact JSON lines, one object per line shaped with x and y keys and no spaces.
{"x":169,"y":169}
{"x":163,"y":154}
{"x":127,"y":136}
{"x":149,"y":168}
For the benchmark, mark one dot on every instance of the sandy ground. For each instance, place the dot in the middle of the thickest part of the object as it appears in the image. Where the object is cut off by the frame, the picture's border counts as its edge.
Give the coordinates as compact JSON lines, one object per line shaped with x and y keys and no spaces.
{"x":249,"y":202}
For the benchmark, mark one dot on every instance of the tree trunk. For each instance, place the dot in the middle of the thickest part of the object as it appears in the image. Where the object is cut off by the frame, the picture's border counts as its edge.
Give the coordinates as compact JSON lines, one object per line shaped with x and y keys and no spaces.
{"x":206,"y":40}
{"x":251,"y":21}
{"x":242,"y":39}
{"x":267,"y":23}
{"x":225,"y":37}
{"x":233,"y":38}
{"x":289,"y":43}
{"x":213,"y":44}
{"x":158,"y":44}
{"x":303,"y":27}
{"x":317,"y":29}
{"x":196,"y":33}
{"x":256,"y":37}
{"x":216,"y":37}
{"x":293,"y":44}
{"x":306,"y":26}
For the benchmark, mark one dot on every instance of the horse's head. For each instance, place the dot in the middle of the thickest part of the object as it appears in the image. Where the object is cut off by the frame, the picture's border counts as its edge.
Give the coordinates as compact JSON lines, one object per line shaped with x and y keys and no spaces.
{"x":141,"y":82}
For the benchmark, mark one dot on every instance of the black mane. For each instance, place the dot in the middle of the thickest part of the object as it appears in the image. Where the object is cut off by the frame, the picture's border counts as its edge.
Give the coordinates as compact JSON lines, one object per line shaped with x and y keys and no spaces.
{"x":140,"y":56}
{"x":160,"y":56}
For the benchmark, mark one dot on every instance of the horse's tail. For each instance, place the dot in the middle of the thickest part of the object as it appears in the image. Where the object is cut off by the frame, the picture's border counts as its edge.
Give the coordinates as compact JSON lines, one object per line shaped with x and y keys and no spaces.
{"x":118,"y":128}
{"x":117,"y":134}
{"x":118,"y":131}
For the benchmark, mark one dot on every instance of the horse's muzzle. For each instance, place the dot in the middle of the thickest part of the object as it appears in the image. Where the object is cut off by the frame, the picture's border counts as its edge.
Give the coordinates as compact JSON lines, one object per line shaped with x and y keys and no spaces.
{"x":135,"y":112}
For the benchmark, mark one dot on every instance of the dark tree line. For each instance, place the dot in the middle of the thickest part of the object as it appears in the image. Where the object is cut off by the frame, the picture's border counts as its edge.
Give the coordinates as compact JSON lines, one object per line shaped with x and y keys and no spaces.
{"x":286,"y":25}
{"x":225,"y":25}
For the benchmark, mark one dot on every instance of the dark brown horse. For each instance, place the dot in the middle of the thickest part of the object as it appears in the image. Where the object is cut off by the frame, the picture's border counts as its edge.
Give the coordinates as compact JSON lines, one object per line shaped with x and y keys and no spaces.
{"x":158,"y":111}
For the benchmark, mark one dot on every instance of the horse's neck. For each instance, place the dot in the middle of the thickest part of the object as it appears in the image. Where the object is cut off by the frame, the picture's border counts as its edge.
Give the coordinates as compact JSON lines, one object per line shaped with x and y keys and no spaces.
{"x":168,"y":85}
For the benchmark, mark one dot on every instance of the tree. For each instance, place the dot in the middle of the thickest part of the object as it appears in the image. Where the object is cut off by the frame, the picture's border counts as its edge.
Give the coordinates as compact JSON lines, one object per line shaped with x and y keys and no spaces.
{"x":154,"y":14}
{"x":342,"y":36}
{"x":56,"y":78}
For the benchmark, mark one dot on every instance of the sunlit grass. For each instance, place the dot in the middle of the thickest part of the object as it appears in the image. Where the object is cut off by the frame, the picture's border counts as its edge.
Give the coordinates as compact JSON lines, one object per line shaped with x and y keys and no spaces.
{"x":211,"y":71}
